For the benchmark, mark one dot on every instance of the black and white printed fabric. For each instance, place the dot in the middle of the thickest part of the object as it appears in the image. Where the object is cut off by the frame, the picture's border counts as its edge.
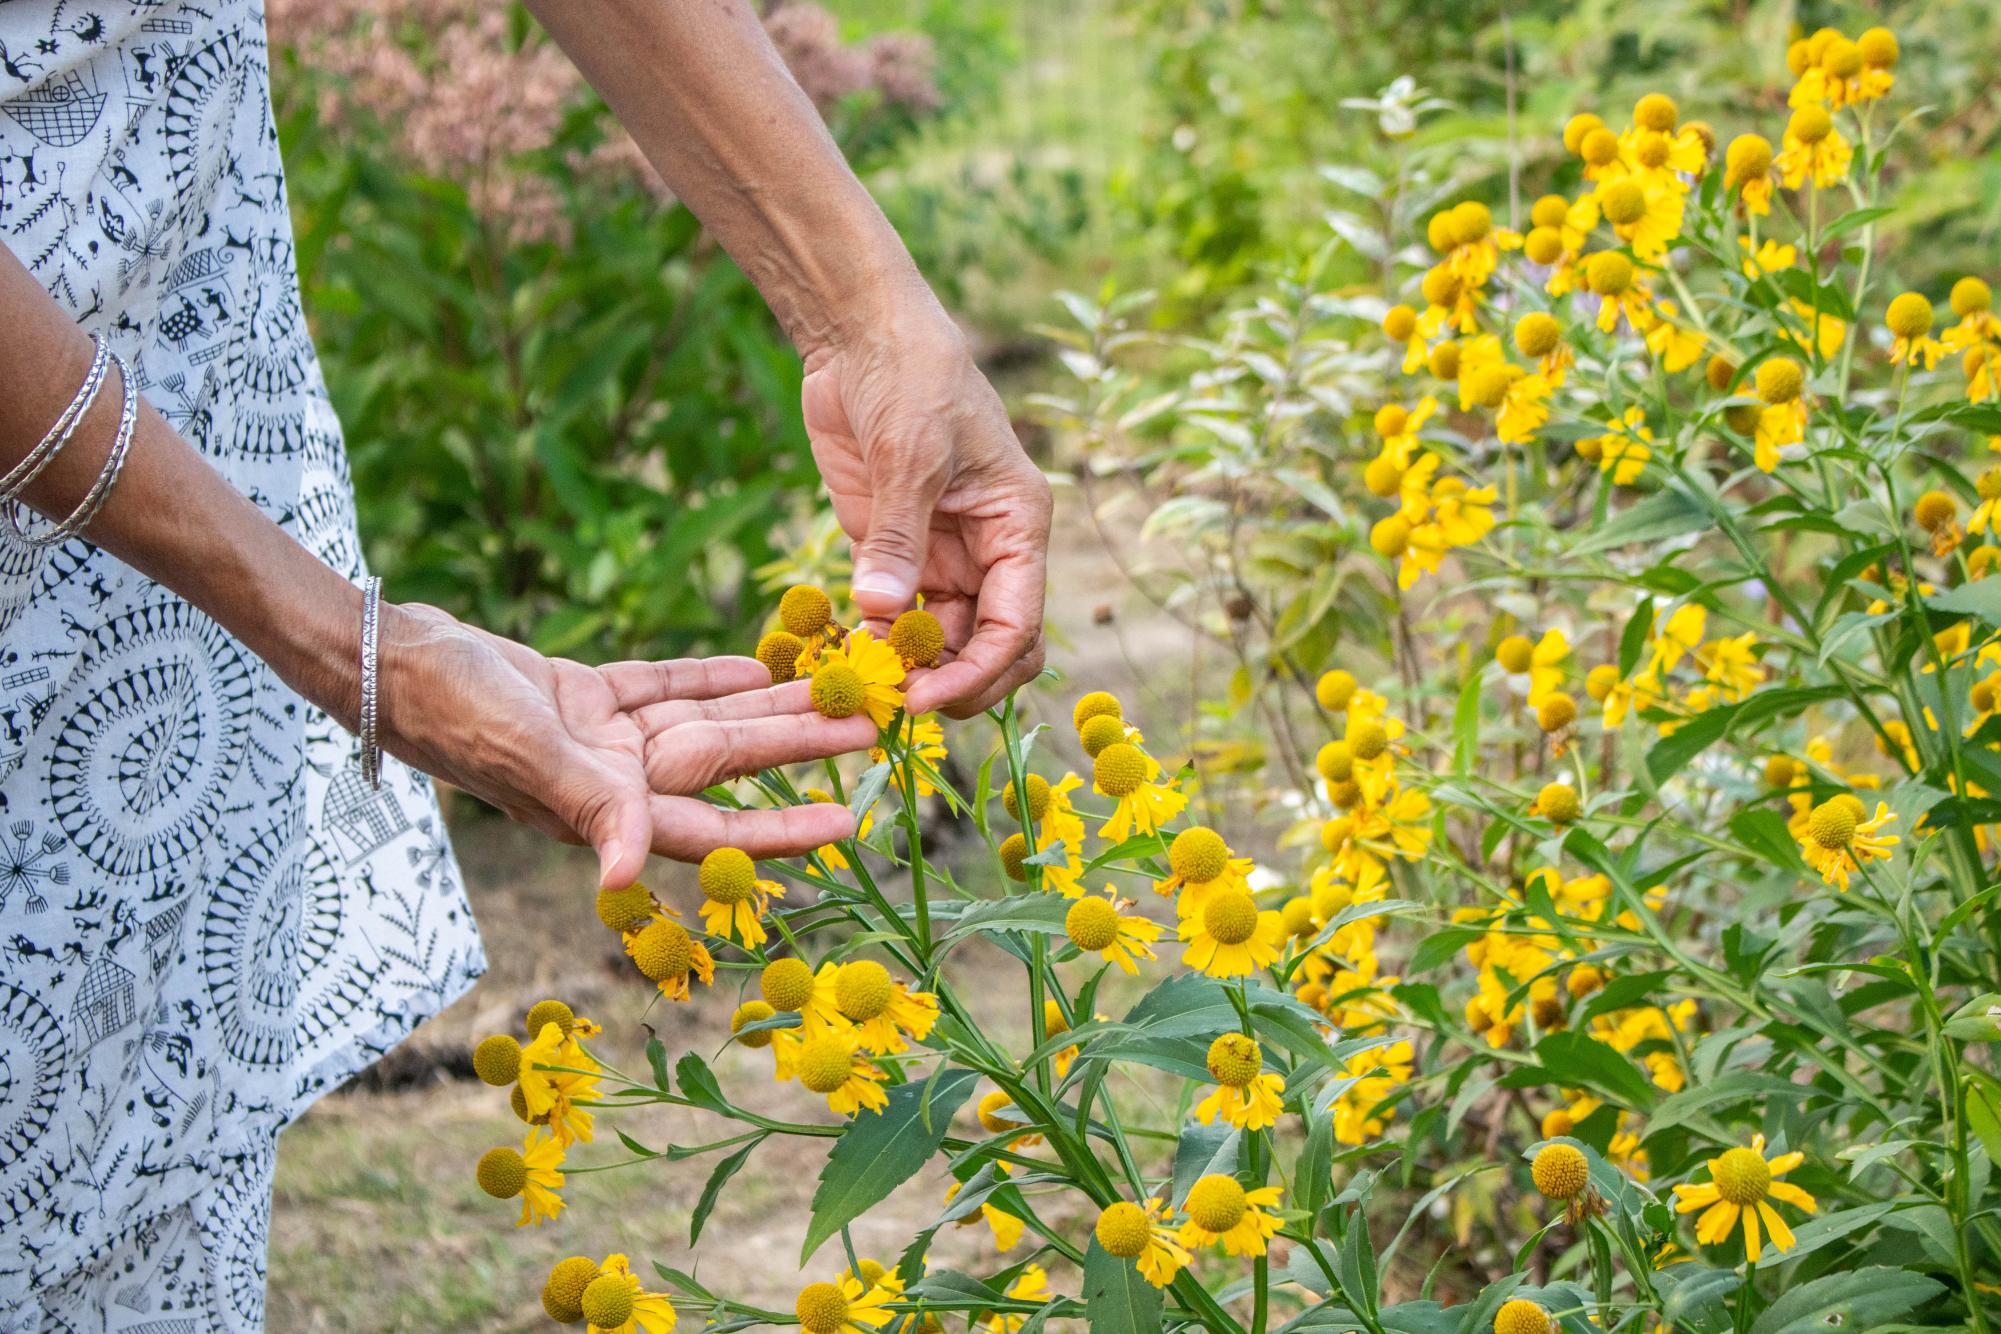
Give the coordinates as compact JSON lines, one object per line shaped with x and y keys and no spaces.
{"x":206,"y":917}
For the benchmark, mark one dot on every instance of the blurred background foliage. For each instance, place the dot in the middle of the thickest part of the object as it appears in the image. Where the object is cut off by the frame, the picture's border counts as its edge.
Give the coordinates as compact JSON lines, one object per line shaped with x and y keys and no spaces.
{"x":571,"y":419}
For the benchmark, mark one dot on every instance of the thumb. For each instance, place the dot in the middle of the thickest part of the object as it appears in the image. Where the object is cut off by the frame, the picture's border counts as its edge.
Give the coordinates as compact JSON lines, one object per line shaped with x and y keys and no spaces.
{"x":890,"y":556}
{"x":617,"y":823}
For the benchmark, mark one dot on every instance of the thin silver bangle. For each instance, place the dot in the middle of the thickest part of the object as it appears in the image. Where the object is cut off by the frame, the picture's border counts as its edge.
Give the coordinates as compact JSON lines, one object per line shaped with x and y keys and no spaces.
{"x":58,"y":435}
{"x":371,"y":669}
{"x":107,"y":477}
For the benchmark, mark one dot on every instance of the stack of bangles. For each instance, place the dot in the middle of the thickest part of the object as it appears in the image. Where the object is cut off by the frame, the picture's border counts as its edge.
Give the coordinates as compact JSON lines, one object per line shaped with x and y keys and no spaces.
{"x":18,"y":477}
{"x":51,"y":444}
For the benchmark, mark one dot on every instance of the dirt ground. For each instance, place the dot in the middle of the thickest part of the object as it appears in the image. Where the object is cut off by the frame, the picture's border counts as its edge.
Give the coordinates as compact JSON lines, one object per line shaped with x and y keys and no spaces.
{"x":377,"y":1222}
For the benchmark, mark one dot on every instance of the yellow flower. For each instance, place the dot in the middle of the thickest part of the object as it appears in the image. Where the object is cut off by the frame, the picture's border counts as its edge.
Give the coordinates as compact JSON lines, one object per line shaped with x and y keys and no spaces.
{"x":1101,"y":927}
{"x":1245,"y":1097}
{"x":534,"y":1175}
{"x":1837,"y":840}
{"x":616,"y":1290}
{"x":1677,"y":347}
{"x":1141,"y":1234}
{"x":1218,"y":1208}
{"x":1231,"y":938}
{"x":556,"y":1075}
{"x":1006,"y":1228}
{"x":1128,"y":774}
{"x":925,"y":740}
{"x":1624,"y":451}
{"x":667,"y":954}
{"x":881,"y":1008}
{"x":733,"y":898}
{"x":1732,"y":664}
{"x":828,"y":1063}
{"x":1742,"y":1182}
{"x":831,"y":854}
{"x":1523,"y":409}
{"x":876,"y":666}
{"x":847,"y":1307}
{"x":1813,"y":148}
{"x":1360,"y":1113}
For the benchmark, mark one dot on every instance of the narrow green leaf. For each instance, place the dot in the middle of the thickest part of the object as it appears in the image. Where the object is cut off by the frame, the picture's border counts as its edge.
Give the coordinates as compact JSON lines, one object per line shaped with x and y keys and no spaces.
{"x":718,"y":1178}
{"x":879,"y":1151}
{"x":1857,"y":1299}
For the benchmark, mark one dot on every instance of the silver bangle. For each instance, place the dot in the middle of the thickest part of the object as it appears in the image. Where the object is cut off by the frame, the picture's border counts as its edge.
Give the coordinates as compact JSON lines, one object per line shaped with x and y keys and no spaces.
{"x":58,"y":435}
{"x":107,"y":477}
{"x":371,"y":665}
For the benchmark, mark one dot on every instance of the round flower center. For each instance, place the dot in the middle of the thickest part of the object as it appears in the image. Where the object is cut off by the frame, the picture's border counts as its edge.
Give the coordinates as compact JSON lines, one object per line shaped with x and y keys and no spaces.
{"x":1909,"y":316}
{"x":1123,"y":1229}
{"x":1556,"y":712}
{"x":1521,"y":1316}
{"x":825,"y":1063}
{"x":1335,"y":761}
{"x":502,"y":1173}
{"x":607,"y":1302}
{"x":1623,"y":202}
{"x":623,"y":909}
{"x":1038,"y":799}
{"x":1558,"y":802}
{"x":1119,"y":769}
{"x":787,"y":984}
{"x":1544,"y":245}
{"x":1013,"y":852}
{"x":804,"y":610}
{"x":821,"y":1308}
{"x":663,"y":950}
{"x":1335,"y":689}
{"x":1989,"y":485}
{"x":563,"y":1294}
{"x":1652,"y":153}
{"x":990,"y":1118}
{"x":1198,"y":855}
{"x":497,"y":1060}
{"x":1831,"y":825}
{"x":1091,"y":924}
{"x":1560,"y":1171}
{"x":728,"y":876}
{"x":1298,"y":916}
{"x":917,"y":638}
{"x":1231,"y":917}
{"x":543,"y":1013}
{"x":1514,"y":654}
{"x":1557,"y":1122}
{"x":1599,"y":147}
{"x":779,"y":652}
{"x":837,"y":691}
{"x":1216,"y":1203}
{"x":1100,"y":732}
{"x":1537,"y":334}
{"x":1367,"y":740}
{"x":1608,"y":273}
{"x":1742,"y":1177}
{"x":1655,"y":111}
{"x":1400,"y":323}
{"x":1934,"y":510}
{"x":1097,"y":704}
{"x":1810,"y":124}
{"x":863,"y":989}
{"x":751,"y":1012}
{"x":1234,"y":1059}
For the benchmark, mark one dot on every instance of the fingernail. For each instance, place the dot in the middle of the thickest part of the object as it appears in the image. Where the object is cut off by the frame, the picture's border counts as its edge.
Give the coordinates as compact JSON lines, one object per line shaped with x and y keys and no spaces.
{"x":882,"y":584}
{"x":608,"y":857}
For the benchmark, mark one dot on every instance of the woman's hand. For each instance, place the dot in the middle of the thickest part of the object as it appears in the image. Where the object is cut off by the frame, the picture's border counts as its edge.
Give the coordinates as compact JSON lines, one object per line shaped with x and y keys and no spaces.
{"x":611,"y":756}
{"x":933,"y":488}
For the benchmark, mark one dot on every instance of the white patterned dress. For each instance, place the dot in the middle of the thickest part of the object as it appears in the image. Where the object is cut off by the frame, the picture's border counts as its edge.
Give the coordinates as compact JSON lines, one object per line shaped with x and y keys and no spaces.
{"x":206,"y":918}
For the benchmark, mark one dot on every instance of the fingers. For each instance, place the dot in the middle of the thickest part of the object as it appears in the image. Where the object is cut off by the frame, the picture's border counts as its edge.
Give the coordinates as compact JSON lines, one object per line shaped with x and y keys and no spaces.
{"x":890,"y":555}
{"x":794,"y":697}
{"x":696,"y":755}
{"x":688,"y":830}
{"x":1006,"y":643}
{"x":638,"y":684}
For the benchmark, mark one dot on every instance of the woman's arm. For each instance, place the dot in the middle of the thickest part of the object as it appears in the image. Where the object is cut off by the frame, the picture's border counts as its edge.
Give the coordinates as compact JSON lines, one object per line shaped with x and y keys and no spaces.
{"x":925,"y":473}
{"x":608,"y":756}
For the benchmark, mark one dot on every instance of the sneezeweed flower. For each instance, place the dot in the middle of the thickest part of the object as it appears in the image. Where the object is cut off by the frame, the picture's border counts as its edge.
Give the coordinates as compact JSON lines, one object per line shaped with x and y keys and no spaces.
{"x":1973,"y":302}
{"x":615,"y":1303}
{"x":1781,"y":384}
{"x":665,"y":952}
{"x":779,"y":651}
{"x":1624,"y":450}
{"x":805,"y":611}
{"x":1230,"y":937}
{"x":733,"y":898}
{"x":1335,"y":690}
{"x":861,"y":675}
{"x":1742,"y":1183}
{"x":1909,"y":319}
{"x":1400,"y":326}
{"x":1936,"y":512}
{"x":1202,"y":863}
{"x":1563,"y":1176}
{"x":1747,"y":169}
{"x":534,"y":1175}
{"x":1141,"y":1234}
{"x":1557,"y":803}
{"x":1129,"y":775}
{"x":917,"y":638}
{"x":1246,"y":1096}
{"x":846,"y":1307}
{"x":1218,"y":1208}
{"x":563,"y":1291}
{"x":881,"y":1008}
{"x":1519,"y":1315}
{"x":1838,"y":840}
{"x":1814,"y":149}
{"x":830,"y":1063}
{"x":557,"y":1080}
{"x":1101,"y":927}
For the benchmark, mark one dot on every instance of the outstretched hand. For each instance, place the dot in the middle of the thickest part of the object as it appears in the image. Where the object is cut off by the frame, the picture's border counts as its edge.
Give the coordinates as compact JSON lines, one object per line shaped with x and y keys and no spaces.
{"x":933,"y":488}
{"x":611,"y":756}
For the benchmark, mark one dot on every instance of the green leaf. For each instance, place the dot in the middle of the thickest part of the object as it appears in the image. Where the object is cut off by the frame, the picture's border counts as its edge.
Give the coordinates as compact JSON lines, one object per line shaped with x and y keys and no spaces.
{"x":1706,"y":729}
{"x":1983,"y":1110}
{"x":1979,"y":1020}
{"x":1117,"y":1300}
{"x":1852,"y":221}
{"x":698,"y":1083}
{"x":1980,"y":599}
{"x":1577,"y":1059}
{"x":656,"y":1056}
{"x":1858,"y":1299}
{"x":1017,"y":912}
{"x":1466,"y":726}
{"x":718,"y":1178}
{"x":1206,"y":1150}
{"x":868,"y":791}
{"x":1764,"y":832}
{"x":1440,"y":946}
{"x":880,"y":1151}
{"x":1633,"y":639}
{"x":1664,"y":515}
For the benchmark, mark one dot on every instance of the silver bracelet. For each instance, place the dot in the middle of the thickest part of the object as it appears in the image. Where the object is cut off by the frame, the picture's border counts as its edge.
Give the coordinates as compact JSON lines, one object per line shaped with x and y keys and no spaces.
{"x":100,"y":490}
{"x":371,"y":665}
{"x":58,"y":435}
